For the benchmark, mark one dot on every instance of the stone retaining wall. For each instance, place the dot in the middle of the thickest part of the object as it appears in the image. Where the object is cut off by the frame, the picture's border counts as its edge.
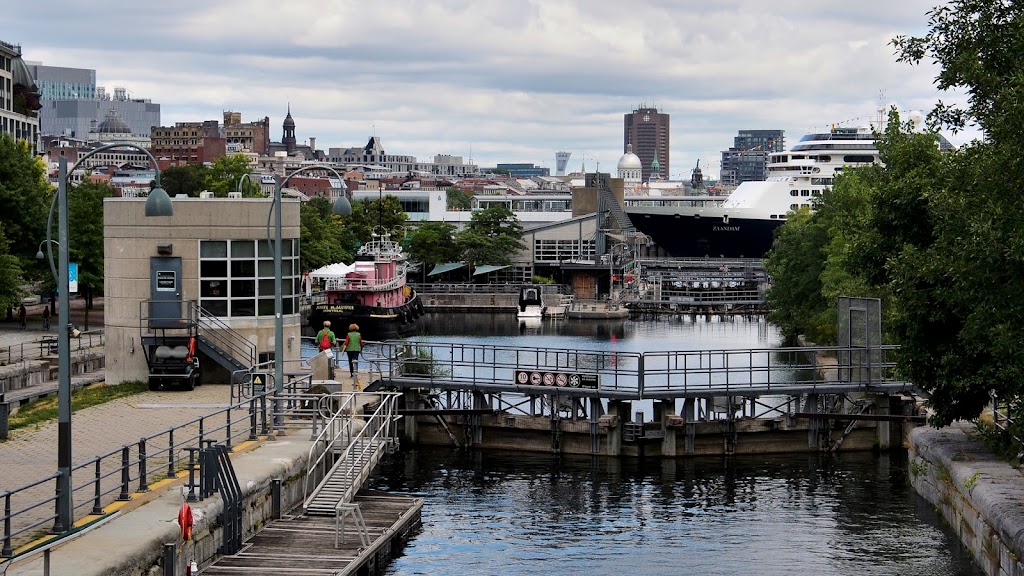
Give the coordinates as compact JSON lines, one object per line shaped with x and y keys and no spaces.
{"x":36,"y":372}
{"x":981,"y":497}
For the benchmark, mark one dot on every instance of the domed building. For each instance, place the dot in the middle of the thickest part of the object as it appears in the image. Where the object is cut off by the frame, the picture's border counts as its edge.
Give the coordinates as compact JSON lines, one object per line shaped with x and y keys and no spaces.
{"x":630,"y":169}
{"x":114,"y":129}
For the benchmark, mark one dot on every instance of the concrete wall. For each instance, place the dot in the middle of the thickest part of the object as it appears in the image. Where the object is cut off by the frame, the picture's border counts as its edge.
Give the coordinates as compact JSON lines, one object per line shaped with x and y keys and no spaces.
{"x":981,"y":497}
{"x":130,"y":240}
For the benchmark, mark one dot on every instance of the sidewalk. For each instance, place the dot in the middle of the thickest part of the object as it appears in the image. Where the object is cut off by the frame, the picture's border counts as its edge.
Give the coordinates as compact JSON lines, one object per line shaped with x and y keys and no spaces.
{"x":12,"y":334}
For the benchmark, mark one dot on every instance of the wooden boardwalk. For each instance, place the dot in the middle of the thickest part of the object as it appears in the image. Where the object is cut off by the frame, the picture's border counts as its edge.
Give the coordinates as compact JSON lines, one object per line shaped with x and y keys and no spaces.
{"x":305,"y":545}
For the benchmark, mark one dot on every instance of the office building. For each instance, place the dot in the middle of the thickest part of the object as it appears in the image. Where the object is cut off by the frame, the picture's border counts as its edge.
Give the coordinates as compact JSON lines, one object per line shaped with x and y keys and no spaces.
{"x":748,"y":158}
{"x":561,"y":162}
{"x":188,"y":142}
{"x":19,"y":97}
{"x":647,"y":130}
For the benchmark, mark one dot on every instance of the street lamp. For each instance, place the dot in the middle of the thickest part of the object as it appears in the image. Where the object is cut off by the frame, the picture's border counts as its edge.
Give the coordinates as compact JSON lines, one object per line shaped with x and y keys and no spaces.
{"x":158,"y":204}
{"x":341,"y":207}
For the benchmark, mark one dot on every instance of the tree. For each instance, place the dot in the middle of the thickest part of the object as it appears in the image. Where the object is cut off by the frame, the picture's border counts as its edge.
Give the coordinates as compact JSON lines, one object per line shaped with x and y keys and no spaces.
{"x":323,"y":237}
{"x":492,"y":236}
{"x":958,"y":292}
{"x":459,"y":200}
{"x":85,"y":240}
{"x":189,"y":180}
{"x":25,"y":196}
{"x":373,"y":216}
{"x":226,"y":172}
{"x":10,"y":276}
{"x":433,"y":243}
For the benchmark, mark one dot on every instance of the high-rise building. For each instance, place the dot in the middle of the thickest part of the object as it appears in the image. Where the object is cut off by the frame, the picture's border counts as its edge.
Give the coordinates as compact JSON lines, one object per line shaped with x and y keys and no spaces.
{"x":748,"y":158}
{"x":647,"y":129}
{"x":561,"y":162}
{"x":19,"y":97}
{"x":74,"y":106}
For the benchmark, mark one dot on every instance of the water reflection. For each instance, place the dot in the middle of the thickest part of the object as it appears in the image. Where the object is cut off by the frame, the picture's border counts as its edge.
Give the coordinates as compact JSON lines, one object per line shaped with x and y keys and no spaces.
{"x":525,"y":514}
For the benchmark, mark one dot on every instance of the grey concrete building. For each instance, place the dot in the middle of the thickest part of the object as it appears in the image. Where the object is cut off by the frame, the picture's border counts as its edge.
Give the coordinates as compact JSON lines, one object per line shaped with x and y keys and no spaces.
{"x":747,"y":159}
{"x":214,"y":253}
{"x":647,"y":129}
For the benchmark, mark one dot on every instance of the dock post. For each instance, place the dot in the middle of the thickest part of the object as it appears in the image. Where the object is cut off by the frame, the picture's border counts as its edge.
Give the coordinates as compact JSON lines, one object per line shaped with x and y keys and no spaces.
{"x":690,"y":417}
{"x":411,"y":399}
{"x":664,"y":414}
{"x":884,"y":426}
{"x":813,"y":425}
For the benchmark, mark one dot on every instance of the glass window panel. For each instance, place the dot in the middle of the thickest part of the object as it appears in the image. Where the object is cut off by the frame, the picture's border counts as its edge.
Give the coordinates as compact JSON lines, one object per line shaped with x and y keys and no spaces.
{"x":243,"y":249}
{"x":266,"y":268}
{"x":213,"y":288}
{"x":246,"y":307}
{"x":288,"y":306}
{"x":243,"y":288}
{"x":286,"y":268}
{"x":266,"y":249}
{"x":267,"y":287}
{"x":213,"y":249}
{"x":243,"y":268}
{"x":213,"y":269}
{"x":266,"y":306}
{"x":286,"y":247}
{"x":215,"y":307}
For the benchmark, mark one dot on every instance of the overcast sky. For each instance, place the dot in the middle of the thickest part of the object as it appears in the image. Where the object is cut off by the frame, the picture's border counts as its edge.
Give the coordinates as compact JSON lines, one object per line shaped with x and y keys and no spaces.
{"x":501,"y":80}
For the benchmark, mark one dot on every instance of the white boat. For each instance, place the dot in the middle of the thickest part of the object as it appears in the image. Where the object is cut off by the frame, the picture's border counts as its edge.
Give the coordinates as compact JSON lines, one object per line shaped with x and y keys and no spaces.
{"x":743,"y":225}
{"x":530,"y":304}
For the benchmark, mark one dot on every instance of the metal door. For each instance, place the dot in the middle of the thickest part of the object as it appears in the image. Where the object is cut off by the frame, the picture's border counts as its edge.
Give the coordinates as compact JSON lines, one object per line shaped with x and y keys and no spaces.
{"x":860,"y":335}
{"x":165,"y":303}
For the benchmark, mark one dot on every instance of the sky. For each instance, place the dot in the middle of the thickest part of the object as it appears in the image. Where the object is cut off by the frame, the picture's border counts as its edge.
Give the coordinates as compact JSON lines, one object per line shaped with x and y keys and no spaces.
{"x":498,"y":80}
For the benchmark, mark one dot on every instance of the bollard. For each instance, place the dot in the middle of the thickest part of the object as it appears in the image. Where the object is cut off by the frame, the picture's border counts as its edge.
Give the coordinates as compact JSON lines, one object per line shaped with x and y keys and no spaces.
{"x":170,"y":559}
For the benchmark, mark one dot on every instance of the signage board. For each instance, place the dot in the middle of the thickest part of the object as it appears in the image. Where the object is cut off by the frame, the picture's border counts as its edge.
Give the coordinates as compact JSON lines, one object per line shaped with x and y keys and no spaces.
{"x":556,"y":379}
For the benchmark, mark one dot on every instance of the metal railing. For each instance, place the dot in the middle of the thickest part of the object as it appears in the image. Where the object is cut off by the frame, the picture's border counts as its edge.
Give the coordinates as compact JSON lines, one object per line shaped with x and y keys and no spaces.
{"x":47,"y":346}
{"x":115,"y":475}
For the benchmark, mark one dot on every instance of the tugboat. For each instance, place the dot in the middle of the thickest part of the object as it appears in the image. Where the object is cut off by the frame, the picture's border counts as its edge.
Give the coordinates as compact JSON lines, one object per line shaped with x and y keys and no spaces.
{"x":372,"y":292}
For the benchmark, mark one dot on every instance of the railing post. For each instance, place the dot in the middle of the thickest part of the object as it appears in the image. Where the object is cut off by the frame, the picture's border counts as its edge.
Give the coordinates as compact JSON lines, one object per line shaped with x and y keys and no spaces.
{"x":227,"y":434}
{"x":200,"y":430}
{"x":170,"y":453}
{"x":7,"y":551}
{"x":57,"y":526}
{"x":97,"y":507}
{"x":125,"y":476}
{"x":252,"y":419}
{"x":192,"y":474}
{"x":143,"y":481}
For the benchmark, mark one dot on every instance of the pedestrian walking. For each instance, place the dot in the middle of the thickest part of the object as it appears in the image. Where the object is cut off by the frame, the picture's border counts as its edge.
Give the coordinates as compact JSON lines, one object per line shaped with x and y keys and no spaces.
{"x":352,"y":346}
{"x":46,"y":317}
{"x":23,"y":316}
{"x":325,"y":340}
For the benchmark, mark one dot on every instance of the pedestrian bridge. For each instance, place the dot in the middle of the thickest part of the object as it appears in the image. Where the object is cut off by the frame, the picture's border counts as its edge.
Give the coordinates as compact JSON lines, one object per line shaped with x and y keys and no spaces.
{"x":635,"y":375}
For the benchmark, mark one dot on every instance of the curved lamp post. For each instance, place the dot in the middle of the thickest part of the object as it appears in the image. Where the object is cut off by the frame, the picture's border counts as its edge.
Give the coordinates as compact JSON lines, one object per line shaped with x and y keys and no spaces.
{"x":342,"y":207}
{"x":158,"y":204}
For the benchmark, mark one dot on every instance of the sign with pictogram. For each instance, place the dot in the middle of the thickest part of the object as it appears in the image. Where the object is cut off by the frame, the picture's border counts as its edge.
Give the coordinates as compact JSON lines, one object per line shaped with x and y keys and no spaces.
{"x":556,"y":379}
{"x":259,"y":383}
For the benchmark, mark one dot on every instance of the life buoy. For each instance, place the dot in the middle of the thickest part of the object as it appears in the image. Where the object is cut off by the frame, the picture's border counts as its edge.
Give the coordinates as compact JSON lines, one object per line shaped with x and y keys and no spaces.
{"x":185,"y":522}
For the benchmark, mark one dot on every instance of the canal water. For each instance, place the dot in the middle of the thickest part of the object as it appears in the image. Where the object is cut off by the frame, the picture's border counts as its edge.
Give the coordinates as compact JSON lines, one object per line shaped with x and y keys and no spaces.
{"x":538,"y":514}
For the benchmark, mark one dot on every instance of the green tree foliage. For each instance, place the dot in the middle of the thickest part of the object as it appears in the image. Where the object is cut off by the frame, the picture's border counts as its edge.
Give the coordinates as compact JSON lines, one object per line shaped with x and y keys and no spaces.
{"x":189,"y":180}
{"x":10,"y":277}
{"x":433,"y":243}
{"x":324,"y":238}
{"x":25,"y":196}
{"x":374,"y":216}
{"x":226,"y":172}
{"x":459,"y":200}
{"x":795,"y":264}
{"x":85,"y":237}
{"x":492,"y":236}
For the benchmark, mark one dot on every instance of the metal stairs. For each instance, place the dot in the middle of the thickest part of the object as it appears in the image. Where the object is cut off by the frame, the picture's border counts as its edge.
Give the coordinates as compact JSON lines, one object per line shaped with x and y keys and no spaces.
{"x":607,"y":202}
{"x":219,"y":355}
{"x":355,"y":440}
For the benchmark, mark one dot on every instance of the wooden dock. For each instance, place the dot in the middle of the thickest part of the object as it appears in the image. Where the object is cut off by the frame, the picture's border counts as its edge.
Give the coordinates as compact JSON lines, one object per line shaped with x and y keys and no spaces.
{"x":305,"y":545}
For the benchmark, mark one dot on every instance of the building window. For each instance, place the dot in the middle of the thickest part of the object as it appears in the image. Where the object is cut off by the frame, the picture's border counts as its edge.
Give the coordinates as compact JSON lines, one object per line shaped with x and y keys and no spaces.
{"x":236,"y":277}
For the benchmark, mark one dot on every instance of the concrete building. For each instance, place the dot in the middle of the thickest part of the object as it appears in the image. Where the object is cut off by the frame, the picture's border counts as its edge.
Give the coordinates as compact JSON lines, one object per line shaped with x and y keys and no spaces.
{"x":251,"y":136}
{"x":73,"y":105}
{"x":19,"y":97}
{"x":375,"y":160}
{"x":188,"y":142}
{"x":647,"y":129}
{"x":747,"y":159}
{"x":561,"y":161}
{"x":212,"y":252}
{"x":523,"y":170}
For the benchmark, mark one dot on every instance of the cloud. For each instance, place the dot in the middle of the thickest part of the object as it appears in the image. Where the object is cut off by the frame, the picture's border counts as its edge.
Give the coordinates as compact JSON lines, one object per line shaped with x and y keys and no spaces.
{"x":513,"y":81}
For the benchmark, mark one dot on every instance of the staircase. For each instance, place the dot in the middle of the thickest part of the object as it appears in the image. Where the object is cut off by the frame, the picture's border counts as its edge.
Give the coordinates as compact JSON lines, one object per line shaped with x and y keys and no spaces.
{"x":358,"y":442}
{"x":607,"y":202}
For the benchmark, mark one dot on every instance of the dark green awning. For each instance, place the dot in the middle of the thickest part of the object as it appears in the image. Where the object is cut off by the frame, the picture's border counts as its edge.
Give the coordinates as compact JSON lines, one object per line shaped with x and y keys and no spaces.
{"x":442,"y":268}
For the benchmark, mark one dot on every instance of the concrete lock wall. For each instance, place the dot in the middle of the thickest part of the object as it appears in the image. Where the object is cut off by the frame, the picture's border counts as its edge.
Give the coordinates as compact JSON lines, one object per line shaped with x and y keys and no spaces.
{"x":131,"y":239}
{"x":981,"y":497}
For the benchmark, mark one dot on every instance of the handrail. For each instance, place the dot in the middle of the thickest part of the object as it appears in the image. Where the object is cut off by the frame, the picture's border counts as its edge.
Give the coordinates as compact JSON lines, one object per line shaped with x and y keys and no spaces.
{"x":236,"y":345}
{"x":45,"y":347}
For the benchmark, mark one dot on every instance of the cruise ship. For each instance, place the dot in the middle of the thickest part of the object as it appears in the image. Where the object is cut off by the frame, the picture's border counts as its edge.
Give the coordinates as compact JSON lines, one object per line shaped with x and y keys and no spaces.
{"x":743,"y":225}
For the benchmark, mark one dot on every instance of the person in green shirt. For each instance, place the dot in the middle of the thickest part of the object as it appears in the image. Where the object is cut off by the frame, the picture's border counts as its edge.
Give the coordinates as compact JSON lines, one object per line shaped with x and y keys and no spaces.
{"x":325,"y":340}
{"x":352,"y":346}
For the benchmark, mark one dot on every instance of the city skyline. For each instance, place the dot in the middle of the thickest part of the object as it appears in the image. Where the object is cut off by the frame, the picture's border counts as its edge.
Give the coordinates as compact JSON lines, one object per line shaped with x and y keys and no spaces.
{"x":499,"y":82}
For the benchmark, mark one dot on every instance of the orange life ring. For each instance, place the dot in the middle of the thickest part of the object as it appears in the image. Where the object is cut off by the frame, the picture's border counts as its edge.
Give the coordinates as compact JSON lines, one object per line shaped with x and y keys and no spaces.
{"x":185,"y":521}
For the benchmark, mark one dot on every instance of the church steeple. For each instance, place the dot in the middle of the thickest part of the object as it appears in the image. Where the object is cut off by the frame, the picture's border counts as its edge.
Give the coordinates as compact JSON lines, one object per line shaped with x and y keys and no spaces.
{"x":288,"y":139}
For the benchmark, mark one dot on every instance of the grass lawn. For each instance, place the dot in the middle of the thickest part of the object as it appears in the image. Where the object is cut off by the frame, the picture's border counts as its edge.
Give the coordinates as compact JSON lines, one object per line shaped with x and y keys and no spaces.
{"x":45,"y":409}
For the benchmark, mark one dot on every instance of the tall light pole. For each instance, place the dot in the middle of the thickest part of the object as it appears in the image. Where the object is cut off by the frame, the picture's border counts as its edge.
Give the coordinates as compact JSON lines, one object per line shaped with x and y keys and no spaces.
{"x":341,"y":207}
{"x":158,"y":204}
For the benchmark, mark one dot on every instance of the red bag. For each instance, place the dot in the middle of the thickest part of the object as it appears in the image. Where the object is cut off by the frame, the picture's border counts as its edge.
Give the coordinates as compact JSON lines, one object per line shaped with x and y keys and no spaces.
{"x":325,"y":340}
